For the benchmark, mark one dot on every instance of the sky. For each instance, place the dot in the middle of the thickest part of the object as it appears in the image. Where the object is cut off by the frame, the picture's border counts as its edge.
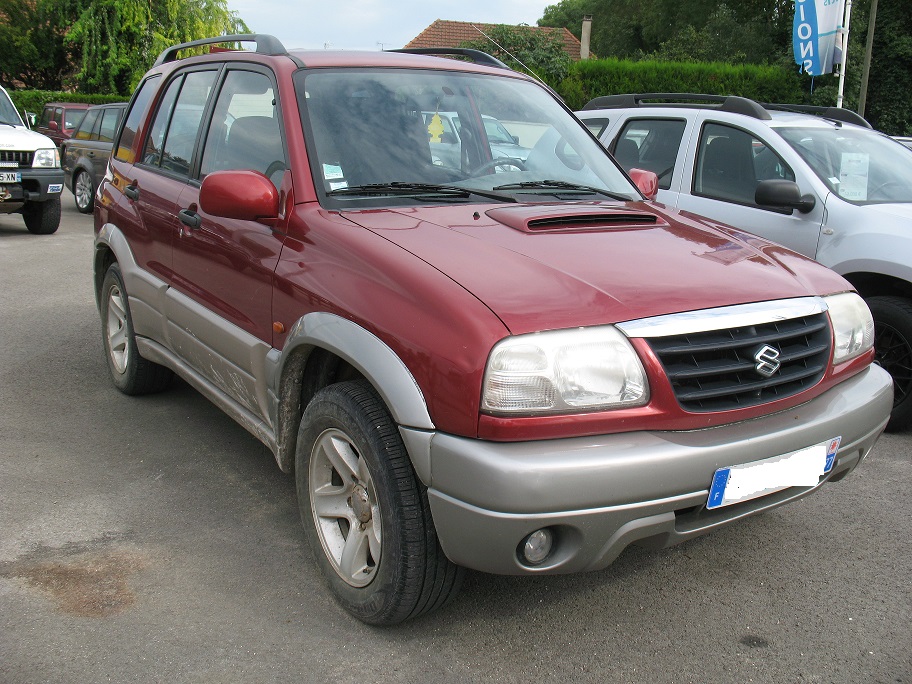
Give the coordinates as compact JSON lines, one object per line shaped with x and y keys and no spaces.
{"x":368,"y":24}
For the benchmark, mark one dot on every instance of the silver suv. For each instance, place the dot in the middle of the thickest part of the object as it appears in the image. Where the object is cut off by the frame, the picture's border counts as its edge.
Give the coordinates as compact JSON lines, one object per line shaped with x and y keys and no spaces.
{"x":817,"y":180}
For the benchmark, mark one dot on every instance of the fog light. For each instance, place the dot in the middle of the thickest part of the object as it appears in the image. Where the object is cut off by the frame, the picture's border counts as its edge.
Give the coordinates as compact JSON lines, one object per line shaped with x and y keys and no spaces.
{"x":537,"y":546}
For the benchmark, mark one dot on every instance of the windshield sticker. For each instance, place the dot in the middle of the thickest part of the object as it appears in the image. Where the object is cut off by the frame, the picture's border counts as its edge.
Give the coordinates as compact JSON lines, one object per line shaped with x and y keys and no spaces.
{"x":853,"y":176}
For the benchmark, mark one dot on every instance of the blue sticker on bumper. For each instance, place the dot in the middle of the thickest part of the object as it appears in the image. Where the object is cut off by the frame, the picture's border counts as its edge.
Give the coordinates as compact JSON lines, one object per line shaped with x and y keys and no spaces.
{"x":56,"y":187}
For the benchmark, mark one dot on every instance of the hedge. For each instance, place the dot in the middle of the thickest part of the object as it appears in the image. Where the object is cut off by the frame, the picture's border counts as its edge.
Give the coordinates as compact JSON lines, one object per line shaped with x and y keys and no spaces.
{"x":34,"y":100}
{"x":593,"y":78}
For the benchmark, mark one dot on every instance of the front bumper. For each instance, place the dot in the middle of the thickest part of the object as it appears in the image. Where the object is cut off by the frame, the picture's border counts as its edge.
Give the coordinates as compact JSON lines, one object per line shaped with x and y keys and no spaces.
{"x":600,"y":494}
{"x":38,"y":185}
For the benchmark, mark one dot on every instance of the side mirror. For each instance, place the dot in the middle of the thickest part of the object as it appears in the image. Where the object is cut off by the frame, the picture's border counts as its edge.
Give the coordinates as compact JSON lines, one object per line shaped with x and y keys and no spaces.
{"x":515,"y":139}
{"x":646,"y":181}
{"x":243,"y":195}
{"x":52,"y":126}
{"x":783,"y":194}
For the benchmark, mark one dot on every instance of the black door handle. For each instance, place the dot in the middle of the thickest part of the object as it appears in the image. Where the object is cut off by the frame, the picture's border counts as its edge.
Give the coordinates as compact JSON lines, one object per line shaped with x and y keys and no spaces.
{"x":190,"y":218}
{"x":132,"y":192}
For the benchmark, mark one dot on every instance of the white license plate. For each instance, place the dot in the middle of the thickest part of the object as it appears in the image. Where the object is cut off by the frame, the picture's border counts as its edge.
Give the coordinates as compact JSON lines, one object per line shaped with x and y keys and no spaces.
{"x":801,"y":468}
{"x":10,"y":177}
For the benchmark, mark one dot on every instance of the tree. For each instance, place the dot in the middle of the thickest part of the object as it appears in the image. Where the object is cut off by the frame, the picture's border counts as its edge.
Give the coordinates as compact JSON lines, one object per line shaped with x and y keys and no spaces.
{"x":526,"y":49}
{"x":567,"y":14}
{"x":120,"y":39}
{"x":33,"y":53}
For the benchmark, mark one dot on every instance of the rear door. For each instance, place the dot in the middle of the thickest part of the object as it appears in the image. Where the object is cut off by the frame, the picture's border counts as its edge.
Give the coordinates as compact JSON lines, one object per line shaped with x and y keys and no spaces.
{"x":657,"y":144}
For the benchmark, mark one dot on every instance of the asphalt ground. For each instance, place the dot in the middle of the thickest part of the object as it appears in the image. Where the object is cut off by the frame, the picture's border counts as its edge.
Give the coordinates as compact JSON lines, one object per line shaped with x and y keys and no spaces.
{"x":154,"y":540}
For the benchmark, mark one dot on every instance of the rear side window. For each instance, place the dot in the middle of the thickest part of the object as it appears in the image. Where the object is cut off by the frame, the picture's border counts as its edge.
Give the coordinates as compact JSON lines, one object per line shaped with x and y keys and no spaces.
{"x":173,"y":134}
{"x":109,"y":120}
{"x":88,"y":123}
{"x":650,"y":144}
{"x":597,"y":126}
{"x":127,"y":147}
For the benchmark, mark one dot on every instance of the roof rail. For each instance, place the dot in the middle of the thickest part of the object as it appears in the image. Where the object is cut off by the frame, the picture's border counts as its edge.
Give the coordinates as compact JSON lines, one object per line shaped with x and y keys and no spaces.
{"x":476,"y":56}
{"x":832,"y":113}
{"x":725,"y":103}
{"x":265,"y":45}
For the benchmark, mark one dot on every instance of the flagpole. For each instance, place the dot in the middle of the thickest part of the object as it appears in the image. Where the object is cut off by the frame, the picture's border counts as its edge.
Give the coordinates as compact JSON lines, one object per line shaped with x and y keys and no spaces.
{"x":845,"y":52}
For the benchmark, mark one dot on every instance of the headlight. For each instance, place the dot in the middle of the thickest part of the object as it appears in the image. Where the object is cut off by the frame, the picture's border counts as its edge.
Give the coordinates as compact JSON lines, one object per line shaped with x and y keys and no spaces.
{"x":563,"y":371}
{"x":46,"y":158}
{"x":853,"y":326}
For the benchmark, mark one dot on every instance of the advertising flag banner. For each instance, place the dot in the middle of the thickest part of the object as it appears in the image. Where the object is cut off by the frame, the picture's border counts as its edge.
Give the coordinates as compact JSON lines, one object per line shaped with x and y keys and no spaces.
{"x":814,"y":35}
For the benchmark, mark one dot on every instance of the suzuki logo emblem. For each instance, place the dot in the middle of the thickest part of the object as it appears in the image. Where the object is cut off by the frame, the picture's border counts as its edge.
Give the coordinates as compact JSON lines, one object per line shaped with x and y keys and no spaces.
{"x":767,"y":359}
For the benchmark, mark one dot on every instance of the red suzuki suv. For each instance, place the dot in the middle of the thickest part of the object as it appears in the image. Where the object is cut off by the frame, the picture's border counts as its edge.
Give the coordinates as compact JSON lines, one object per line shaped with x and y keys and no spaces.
{"x":519,"y":365}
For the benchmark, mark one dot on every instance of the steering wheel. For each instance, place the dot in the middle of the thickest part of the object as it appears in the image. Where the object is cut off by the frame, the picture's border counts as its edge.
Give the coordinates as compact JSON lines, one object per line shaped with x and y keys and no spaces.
{"x":277,"y":165}
{"x":883,"y":186}
{"x":487,"y":167}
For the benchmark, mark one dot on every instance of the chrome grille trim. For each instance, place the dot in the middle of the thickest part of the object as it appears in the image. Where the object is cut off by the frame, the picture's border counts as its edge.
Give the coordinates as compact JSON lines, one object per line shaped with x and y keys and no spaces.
{"x":722,"y":318}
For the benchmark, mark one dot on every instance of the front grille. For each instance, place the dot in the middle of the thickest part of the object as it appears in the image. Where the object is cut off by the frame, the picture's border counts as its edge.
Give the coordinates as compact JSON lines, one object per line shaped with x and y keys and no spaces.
{"x":21,"y":159}
{"x":718,"y":370}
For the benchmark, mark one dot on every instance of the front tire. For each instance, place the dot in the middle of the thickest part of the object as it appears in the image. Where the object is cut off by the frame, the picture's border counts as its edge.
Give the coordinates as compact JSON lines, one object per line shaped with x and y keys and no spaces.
{"x":365,"y":513}
{"x":42,"y":218}
{"x":84,"y":192}
{"x":893,"y":351}
{"x":131,"y":373}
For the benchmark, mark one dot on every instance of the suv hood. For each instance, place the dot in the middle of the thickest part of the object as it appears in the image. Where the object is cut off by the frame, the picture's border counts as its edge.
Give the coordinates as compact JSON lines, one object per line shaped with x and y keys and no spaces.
{"x":21,"y":139}
{"x":549,"y":266}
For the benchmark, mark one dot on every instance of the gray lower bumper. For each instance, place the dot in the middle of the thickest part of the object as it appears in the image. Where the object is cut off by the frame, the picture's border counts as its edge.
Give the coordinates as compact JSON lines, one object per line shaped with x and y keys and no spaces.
{"x":600,"y":494}
{"x":38,"y":185}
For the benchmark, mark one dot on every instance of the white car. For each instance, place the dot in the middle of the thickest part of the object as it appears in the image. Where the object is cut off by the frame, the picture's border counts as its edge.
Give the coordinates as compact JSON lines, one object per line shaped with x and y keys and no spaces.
{"x":819,"y":181}
{"x":31,"y":179}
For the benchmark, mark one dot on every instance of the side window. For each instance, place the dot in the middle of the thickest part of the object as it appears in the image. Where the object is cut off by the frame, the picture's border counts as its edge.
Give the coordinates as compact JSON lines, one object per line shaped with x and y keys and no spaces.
{"x":46,"y":117}
{"x":88,"y":123}
{"x":126,"y":147}
{"x":597,"y":126}
{"x":72,"y":117}
{"x":109,"y":120}
{"x":650,"y":144}
{"x":245,"y":131}
{"x":730,"y":163}
{"x":155,"y":140}
{"x":185,"y":122}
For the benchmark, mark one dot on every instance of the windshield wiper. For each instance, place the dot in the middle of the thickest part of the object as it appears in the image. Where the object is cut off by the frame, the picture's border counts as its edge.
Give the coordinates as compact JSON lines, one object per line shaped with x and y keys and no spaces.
{"x":421,"y":189}
{"x":558,"y":186}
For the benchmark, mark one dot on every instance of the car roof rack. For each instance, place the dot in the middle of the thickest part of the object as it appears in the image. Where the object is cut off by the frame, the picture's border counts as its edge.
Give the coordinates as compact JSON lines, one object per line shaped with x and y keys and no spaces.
{"x":265,"y":45}
{"x":725,"y":103}
{"x":833,"y":113}
{"x":476,"y":56}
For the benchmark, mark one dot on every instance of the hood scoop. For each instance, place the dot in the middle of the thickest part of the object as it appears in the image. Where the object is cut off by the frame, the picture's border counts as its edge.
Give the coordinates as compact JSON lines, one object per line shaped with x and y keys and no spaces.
{"x":567,"y":219}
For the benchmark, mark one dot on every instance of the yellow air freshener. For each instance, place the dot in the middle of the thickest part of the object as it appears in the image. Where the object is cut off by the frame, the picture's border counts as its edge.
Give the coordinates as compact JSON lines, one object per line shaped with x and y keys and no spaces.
{"x":435,"y":128}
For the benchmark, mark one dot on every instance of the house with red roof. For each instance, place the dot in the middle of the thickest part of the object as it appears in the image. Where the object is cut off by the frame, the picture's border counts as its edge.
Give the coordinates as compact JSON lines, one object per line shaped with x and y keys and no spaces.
{"x":443,"y":33}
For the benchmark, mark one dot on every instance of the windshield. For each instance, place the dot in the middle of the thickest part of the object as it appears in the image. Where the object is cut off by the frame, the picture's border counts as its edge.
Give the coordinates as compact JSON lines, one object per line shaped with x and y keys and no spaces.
{"x":858,"y":165}
{"x":8,"y":113}
{"x":417,"y":130}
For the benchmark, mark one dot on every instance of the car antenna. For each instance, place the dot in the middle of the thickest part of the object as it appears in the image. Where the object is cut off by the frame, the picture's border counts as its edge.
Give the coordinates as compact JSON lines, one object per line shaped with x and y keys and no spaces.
{"x":510,"y":54}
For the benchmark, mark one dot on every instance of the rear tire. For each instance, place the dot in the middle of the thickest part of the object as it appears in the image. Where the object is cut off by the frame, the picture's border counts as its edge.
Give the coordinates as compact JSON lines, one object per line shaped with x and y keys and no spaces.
{"x":42,"y":218}
{"x":131,"y":373}
{"x":893,"y":352}
{"x":365,"y":513}
{"x":84,"y":192}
